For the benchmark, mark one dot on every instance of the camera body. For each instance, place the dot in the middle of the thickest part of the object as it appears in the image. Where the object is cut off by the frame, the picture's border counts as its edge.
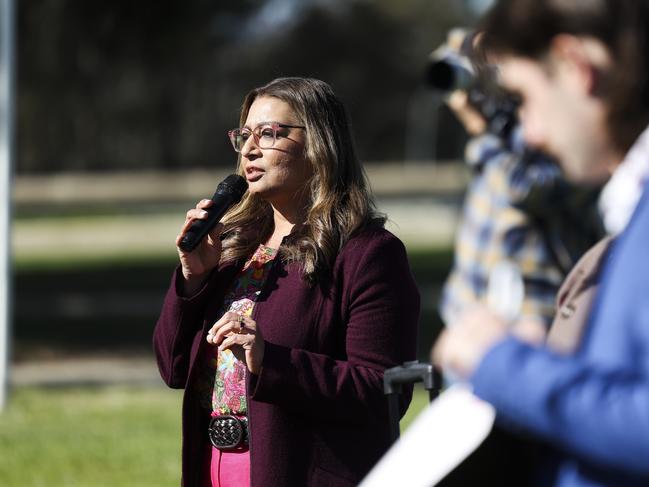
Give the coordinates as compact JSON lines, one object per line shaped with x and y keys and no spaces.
{"x":450,"y":70}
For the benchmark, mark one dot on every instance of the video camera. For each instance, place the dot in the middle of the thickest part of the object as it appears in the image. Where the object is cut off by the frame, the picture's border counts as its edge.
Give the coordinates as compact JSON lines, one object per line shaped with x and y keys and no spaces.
{"x":462,"y":69}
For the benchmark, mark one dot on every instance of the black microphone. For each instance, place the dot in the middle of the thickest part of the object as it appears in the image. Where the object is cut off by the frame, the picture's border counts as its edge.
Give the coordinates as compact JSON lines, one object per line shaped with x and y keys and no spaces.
{"x":228,"y":193}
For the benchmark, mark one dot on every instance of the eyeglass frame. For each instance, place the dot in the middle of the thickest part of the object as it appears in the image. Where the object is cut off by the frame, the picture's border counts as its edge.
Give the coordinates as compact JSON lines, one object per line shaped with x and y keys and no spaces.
{"x":275,"y":126}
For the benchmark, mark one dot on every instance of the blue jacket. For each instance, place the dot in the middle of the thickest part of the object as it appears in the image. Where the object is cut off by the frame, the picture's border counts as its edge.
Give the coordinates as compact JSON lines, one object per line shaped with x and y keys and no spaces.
{"x":593,"y":407}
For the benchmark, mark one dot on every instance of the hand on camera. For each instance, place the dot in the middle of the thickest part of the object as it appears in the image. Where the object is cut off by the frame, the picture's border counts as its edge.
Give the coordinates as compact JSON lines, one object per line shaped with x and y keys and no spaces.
{"x":472,"y":120}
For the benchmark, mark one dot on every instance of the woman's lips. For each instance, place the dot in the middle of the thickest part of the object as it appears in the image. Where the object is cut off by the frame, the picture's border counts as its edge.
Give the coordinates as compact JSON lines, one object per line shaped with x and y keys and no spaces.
{"x":253,"y":174}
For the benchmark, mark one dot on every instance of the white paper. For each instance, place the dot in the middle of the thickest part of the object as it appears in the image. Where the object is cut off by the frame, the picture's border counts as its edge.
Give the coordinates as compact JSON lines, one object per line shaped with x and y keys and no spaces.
{"x":506,"y":290}
{"x":438,"y":440}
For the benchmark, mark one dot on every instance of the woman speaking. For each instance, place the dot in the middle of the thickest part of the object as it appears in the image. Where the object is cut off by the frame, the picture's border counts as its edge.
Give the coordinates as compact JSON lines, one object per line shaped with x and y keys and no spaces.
{"x":280,"y":323}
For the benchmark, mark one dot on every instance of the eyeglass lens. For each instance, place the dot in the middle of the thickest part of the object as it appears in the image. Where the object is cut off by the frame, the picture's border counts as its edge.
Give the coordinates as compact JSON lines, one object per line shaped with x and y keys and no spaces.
{"x":263,"y":136}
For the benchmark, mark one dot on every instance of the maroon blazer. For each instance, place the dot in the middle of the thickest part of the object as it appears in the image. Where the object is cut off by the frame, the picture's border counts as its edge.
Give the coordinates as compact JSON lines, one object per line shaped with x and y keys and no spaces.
{"x":317,"y":413}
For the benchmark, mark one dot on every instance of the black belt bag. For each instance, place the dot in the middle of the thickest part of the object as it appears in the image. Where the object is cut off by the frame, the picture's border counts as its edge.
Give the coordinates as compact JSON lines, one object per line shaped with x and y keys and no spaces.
{"x":228,"y":432}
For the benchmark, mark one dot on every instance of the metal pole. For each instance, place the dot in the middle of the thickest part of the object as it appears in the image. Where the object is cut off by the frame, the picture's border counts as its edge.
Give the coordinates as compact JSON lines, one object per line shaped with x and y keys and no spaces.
{"x":6,"y":159}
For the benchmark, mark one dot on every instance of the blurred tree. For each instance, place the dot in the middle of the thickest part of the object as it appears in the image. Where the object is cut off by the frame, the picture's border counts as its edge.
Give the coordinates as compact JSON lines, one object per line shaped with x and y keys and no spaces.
{"x":155,"y":84}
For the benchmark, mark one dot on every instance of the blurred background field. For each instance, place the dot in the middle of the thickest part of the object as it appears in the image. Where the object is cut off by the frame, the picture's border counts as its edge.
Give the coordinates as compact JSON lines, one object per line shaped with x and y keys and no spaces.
{"x":121,"y":113}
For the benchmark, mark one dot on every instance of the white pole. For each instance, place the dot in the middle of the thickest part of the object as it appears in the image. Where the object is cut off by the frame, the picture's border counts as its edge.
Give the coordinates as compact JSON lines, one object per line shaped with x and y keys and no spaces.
{"x":6,"y":159}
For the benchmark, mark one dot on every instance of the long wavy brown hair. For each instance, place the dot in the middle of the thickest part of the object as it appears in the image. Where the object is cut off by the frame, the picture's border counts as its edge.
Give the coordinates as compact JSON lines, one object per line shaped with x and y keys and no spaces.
{"x":338,"y":201}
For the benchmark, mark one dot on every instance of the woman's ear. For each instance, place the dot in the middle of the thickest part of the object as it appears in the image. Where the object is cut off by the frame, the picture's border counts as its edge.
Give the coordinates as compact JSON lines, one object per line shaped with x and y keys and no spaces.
{"x":582,"y":61}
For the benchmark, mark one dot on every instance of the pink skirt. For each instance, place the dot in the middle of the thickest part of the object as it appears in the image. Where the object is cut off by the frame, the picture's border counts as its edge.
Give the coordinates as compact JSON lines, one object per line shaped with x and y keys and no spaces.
{"x":230,"y":468}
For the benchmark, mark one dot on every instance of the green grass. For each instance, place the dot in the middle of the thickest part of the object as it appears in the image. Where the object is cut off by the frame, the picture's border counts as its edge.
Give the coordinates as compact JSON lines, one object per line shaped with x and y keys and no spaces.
{"x":113,"y":436}
{"x":419,"y":401}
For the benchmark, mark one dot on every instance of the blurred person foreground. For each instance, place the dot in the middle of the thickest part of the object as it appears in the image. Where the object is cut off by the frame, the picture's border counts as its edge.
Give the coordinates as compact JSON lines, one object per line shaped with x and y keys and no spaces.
{"x":519,"y":210}
{"x":580,"y":71}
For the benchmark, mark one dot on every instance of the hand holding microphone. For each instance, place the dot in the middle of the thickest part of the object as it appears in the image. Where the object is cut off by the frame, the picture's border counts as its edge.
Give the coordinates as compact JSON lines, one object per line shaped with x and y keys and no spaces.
{"x":198,"y":254}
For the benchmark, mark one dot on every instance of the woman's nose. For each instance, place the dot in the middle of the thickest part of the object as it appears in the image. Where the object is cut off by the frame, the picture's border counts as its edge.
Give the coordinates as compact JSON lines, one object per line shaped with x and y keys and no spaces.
{"x":250,"y":148}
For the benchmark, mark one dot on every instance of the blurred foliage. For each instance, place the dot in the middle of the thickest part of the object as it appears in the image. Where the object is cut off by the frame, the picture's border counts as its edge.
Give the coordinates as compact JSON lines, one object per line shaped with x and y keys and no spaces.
{"x":117,"y":84}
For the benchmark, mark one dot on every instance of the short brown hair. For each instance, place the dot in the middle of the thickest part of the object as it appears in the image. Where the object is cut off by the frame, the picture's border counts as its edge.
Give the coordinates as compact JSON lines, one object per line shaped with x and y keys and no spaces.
{"x":526,"y":28}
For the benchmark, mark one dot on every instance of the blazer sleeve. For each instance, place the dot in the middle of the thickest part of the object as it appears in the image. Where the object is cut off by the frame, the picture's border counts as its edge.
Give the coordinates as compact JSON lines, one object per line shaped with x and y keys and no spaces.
{"x":596,"y":413}
{"x":180,"y":319}
{"x":380,"y":332}
{"x":595,"y":404}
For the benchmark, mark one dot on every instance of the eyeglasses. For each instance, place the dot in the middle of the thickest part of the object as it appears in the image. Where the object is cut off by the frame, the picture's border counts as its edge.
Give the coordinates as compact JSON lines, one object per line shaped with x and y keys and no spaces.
{"x":264,"y":135}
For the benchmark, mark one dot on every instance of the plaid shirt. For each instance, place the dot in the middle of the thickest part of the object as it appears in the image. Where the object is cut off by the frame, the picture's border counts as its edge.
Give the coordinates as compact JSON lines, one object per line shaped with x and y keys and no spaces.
{"x":518,"y":208}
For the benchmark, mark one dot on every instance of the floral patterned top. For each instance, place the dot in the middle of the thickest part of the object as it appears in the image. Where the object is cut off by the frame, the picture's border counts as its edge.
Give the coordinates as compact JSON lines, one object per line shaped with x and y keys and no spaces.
{"x":222,"y":380}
